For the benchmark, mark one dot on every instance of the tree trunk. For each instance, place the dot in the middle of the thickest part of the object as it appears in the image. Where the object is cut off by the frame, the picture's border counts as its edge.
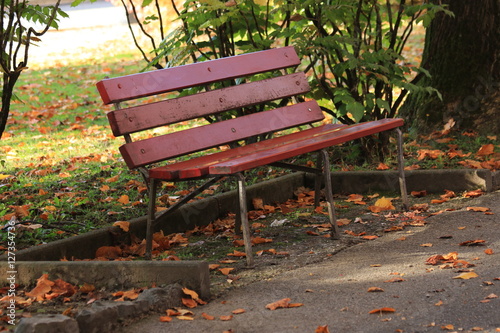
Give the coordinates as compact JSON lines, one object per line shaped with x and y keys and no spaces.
{"x":462,"y":54}
{"x":8,"y":83}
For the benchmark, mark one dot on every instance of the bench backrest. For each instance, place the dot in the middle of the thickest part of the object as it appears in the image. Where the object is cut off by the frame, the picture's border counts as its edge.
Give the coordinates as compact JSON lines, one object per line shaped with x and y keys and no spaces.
{"x":219,"y":78}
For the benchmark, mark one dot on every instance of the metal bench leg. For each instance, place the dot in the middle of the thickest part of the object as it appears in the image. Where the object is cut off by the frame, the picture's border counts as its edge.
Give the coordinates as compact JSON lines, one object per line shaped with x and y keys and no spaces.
{"x":244,"y":219}
{"x":317,"y":180}
{"x":151,"y":218}
{"x":402,"y":180}
{"x":329,"y":194}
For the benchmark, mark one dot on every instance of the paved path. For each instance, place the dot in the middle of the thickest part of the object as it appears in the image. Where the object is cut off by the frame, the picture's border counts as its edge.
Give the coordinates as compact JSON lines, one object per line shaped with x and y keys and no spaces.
{"x":335,"y":292}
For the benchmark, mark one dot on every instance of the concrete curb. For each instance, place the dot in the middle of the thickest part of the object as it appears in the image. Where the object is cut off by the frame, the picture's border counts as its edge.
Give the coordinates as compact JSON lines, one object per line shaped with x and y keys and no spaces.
{"x":104,"y":317}
{"x":114,"y":275}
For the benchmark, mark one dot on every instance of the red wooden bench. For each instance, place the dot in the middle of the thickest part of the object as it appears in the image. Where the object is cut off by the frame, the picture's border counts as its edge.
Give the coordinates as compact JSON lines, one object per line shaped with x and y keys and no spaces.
{"x":226,"y":86}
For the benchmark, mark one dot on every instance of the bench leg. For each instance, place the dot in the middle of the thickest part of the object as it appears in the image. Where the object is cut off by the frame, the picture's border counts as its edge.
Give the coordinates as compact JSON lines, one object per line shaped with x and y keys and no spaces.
{"x":151,"y":218}
{"x":402,"y":180}
{"x":329,"y":194}
{"x":244,"y":219}
{"x":318,"y":178}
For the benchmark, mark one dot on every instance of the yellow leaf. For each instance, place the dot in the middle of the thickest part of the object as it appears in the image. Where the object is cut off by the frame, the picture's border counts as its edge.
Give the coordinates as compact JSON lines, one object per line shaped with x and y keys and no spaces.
{"x":466,"y":276}
{"x":381,"y":205}
{"x":2,"y":177}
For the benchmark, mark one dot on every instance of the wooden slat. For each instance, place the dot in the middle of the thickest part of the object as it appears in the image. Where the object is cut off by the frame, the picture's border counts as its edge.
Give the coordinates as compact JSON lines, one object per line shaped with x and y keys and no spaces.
{"x":307,"y":145}
{"x":198,"y":167}
{"x":141,"y":153}
{"x":160,"y":81}
{"x":167,"y":112}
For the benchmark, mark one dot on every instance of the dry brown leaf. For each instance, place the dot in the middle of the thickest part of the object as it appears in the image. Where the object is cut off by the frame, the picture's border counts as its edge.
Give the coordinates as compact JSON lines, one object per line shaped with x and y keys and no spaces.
{"x":43,"y":287}
{"x":283,"y":303}
{"x":474,"y":242}
{"x":486,"y":150}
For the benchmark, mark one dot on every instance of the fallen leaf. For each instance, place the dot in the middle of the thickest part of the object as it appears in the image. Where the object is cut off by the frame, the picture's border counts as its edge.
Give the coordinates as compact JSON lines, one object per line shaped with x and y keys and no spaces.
{"x":207,"y":316}
{"x":189,"y":302}
{"x":382,"y":310}
{"x":225,"y":271}
{"x":381,"y":205}
{"x":124,"y":225}
{"x":439,"y":303}
{"x":419,"y":194}
{"x":478,"y":209}
{"x":375,"y":289}
{"x":475,"y":242}
{"x":448,"y":327}
{"x":237,"y":254}
{"x":43,"y":287}
{"x":486,"y":150}
{"x":165,"y":319}
{"x":185,"y":318}
{"x":283,"y":303}
{"x":491,"y":296}
{"x":466,"y":276}
{"x":226,"y":318}
{"x":489,"y":251}
{"x":260,"y":240}
{"x":426,"y":245}
{"x":322,"y":329}
{"x":238,"y":311}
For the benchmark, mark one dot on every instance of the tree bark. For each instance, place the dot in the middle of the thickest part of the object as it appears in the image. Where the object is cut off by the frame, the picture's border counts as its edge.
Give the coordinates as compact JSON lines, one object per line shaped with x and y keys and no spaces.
{"x":462,"y":54}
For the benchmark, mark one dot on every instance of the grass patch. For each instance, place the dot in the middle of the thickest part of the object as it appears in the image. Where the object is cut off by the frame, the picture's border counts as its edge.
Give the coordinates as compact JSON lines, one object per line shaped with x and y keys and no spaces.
{"x":61,"y":173}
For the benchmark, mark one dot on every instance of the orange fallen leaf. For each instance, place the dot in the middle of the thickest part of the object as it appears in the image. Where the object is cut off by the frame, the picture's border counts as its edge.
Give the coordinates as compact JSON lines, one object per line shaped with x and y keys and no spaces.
{"x":124,"y":225}
{"x":381,"y":205}
{"x":322,"y":329}
{"x":486,"y":150}
{"x":489,"y":251}
{"x":165,"y":319}
{"x":43,"y":287}
{"x":448,"y":327}
{"x":369,"y":237}
{"x":213,"y":266}
{"x":478,"y":209}
{"x":225,"y":271}
{"x":491,"y":296}
{"x":124,"y":200}
{"x":419,"y":194}
{"x":109,"y":252}
{"x":396,"y":279}
{"x":207,"y":316}
{"x":382,"y":310}
{"x":260,"y":240}
{"x":237,"y":254}
{"x":226,"y":318}
{"x":238,"y":311}
{"x":375,"y":289}
{"x":283,"y":303}
{"x":426,"y":245}
{"x":382,"y":166}
{"x":189,"y":302}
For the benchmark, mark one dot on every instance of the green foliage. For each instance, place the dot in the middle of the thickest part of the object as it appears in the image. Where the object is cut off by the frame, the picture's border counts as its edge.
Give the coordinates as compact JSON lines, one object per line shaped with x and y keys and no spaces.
{"x":351,"y":49}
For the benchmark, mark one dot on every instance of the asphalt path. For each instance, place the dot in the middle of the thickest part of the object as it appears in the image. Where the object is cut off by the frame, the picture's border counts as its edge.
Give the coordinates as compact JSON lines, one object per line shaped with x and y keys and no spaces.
{"x":335,"y":293}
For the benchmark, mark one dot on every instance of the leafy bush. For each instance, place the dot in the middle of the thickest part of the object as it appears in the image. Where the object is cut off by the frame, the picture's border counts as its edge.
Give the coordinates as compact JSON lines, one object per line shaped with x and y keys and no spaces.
{"x":351,"y":49}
